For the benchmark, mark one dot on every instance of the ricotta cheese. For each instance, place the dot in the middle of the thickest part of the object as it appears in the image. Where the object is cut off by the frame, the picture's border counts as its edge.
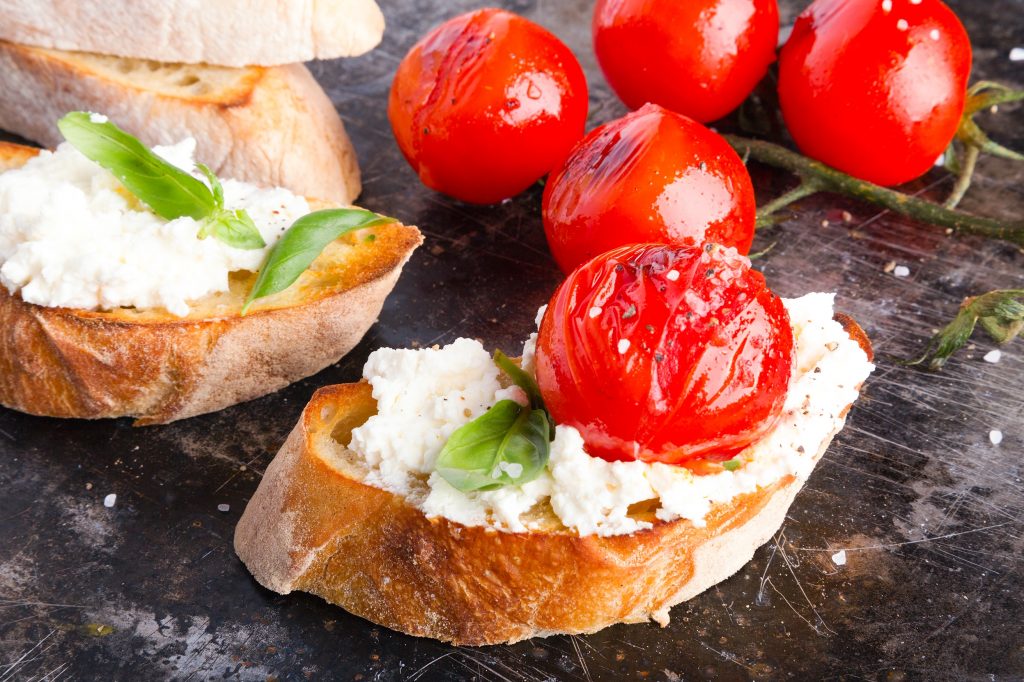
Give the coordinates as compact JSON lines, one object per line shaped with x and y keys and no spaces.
{"x":424,"y":395}
{"x":72,"y":236}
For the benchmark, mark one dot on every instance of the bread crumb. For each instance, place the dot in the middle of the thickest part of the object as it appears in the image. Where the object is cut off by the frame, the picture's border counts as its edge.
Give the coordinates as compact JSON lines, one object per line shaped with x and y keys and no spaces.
{"x":996,"y":436}
{"x":889,"y":267}
{"x":661,"y":617}
{"x":993,"y":356}
{"x":110,"y":500}
{"x":839,"y":558}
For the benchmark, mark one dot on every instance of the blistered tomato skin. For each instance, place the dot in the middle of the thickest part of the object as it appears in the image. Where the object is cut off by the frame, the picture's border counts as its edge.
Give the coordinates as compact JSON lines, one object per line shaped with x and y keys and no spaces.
{"x":665,"y":354}
{"x":651,"y":176}
{"x":875,"y":88}
{"x":486,"y":104}
{"x":697,"y":57}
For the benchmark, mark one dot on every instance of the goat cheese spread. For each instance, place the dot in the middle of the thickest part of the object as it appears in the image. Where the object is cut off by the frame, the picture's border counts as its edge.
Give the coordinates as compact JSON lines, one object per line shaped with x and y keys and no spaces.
{"x":72,"y":236}
{"x":423,"y":396}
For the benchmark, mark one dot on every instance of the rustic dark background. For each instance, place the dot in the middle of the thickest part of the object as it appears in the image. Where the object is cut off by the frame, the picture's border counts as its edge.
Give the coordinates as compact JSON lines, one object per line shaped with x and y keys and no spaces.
{"x":928,"y":510}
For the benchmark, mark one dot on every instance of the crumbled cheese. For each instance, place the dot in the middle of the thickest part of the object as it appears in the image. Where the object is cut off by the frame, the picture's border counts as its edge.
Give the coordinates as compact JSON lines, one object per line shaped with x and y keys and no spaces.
{"x":995,"y":436}
{"x":993,"y":356}
{"x":110,"y":500}
{"x":414,"y":389}
{"x":422,"y":397}
{"x":595,"y":311}
{"x":72,"y":236}
{"x":839,"y":558}
{"x":623,"y":346}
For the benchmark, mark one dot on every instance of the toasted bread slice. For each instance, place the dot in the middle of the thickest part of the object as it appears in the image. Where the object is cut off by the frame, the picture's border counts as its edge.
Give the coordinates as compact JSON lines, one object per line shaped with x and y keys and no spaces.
{"x":274,"y":127}
{"x":158,"y":367}
{"x":225,"y":32}
{"x":313,"y":525}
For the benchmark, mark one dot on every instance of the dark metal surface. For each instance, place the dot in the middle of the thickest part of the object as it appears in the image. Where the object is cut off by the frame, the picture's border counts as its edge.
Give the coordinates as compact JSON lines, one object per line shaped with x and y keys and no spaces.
{"x":926,"y":507}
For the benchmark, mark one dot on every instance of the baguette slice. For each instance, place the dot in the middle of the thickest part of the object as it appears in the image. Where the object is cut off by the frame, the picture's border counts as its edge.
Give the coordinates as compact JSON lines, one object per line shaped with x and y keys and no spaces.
{"x":224,"y":32}
{"x":314,"y":526}
{"x":274,"y":127}
{"x":157,"y":367}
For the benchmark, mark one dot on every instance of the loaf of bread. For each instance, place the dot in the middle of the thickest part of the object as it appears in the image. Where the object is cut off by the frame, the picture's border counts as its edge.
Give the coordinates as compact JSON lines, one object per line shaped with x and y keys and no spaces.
{"x":273,"y":127}
{"x":158,"y":367}
{"x":224,"y":32}
{"x":314,"y":525}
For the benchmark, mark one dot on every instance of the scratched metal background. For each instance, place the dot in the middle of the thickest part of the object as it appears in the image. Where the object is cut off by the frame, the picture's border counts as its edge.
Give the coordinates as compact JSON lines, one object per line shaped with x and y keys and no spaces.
{"x":928,"y":510}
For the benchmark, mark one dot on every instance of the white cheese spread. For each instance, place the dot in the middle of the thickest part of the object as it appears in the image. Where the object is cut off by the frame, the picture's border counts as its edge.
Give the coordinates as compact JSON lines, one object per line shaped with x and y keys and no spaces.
{"x":72,"y":236}
{"x":423,"y":396}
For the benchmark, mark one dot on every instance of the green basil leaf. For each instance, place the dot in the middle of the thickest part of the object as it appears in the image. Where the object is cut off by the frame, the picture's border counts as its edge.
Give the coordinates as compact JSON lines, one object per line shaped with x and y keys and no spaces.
{"x":234,"y":228}
{"x":303,"y":242}
{"x":215,"y":186}
{"x":521,"y":379}
{"x":169,"y":191}
{"x":507,"y":445}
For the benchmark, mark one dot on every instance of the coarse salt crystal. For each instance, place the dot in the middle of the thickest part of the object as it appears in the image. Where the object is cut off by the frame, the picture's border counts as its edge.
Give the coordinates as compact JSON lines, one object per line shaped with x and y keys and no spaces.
{"x":595,"y":311}
{"x":1017,"y":54}
{"x":839,"y":558}
{"x":902,"y":25}
{"x":98,"y":118}
{"x":995,"y":436}
{"x":993,"y":356}
{"x":623,"y":346}
{"x":901,"y":271}
{"x":110,"y":500}
{"x":935,"y":35}
{"x":886,"y":5}
{"x":672,"y":275}
{"x":223,"y":507}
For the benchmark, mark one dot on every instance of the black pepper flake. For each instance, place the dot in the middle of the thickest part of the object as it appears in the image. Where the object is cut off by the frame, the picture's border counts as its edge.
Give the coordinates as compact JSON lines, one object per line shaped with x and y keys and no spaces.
{"x":649,"y":328}
{"x":817,"y":370}
{"x":426,"y":131}
{"x":710,"y":272}
{"x":619,"y":267}
{"x":630,"y":312}
{"x":800,"y":449}
{"x":709,"y":247}
{"x":659,"y":357}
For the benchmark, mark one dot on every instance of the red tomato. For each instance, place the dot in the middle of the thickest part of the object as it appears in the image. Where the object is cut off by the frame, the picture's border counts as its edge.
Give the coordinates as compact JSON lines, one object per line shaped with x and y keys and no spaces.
{"x":666,"y":354}
{"x":698,"y":57}
{"x":650,"y":176}
{"x":875,"y":88}
{"x":486,"y":104}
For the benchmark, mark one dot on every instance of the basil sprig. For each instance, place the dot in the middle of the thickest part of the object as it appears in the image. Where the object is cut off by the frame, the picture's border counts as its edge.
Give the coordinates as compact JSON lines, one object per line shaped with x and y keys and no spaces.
{"x":303,"y":242}
{"x":169,"y":191}
{"x":508,"y":445}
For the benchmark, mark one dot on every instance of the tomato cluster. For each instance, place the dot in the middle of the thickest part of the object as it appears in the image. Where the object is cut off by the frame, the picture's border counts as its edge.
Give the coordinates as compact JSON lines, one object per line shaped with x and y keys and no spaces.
{"x":689,"y":354}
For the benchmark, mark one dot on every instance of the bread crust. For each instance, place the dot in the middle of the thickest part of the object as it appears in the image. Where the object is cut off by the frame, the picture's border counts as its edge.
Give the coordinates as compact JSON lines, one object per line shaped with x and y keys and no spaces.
{"x":313,"y":526}
{"x":253,"y":32}
{"x":158,"y":368}
{"x":274,"y":127}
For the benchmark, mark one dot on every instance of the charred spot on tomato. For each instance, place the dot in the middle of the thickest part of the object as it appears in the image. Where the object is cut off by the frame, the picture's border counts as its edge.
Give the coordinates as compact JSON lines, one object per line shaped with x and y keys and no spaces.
{"x":714,"y":382}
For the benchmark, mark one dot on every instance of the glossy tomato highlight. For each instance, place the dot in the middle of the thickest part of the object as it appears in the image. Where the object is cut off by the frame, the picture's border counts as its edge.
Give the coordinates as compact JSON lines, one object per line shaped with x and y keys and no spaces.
{"x":650,"y":176}
{"x":666,"y":354}
{"x":697,"y":57}
{"x":875,"y":88}
{"x":486,"y":104}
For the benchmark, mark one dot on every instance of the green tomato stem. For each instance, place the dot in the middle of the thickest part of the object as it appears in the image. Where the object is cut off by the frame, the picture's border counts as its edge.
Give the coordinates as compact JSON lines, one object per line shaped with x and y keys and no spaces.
{"x":964,"y":177}
{"x":807,"y":187}
{"x":832,"y":180}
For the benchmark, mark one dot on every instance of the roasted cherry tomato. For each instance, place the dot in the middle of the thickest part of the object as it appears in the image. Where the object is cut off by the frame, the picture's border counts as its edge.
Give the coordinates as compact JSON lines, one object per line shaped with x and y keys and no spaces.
{"x":667,"y":354}
{"x":875,"y":88}
{"x":698,"y":57}
{"x":650,"y":176}
{"x":486,"y":104}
